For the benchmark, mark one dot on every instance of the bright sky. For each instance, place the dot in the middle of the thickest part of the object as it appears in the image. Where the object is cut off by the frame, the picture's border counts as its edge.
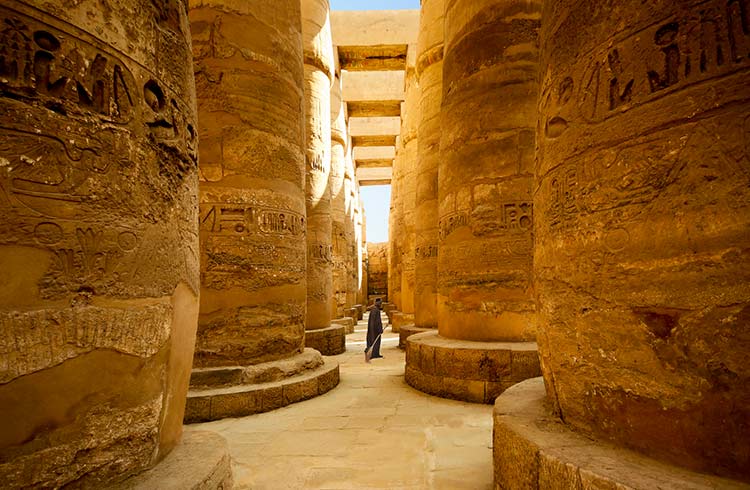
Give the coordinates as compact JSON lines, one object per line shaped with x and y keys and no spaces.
{"x":377,"y":201}
{"x":374,"y":4}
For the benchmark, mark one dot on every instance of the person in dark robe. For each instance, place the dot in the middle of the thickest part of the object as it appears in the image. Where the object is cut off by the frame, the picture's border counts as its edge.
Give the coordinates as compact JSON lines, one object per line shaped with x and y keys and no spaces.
{"x":374,"y":329}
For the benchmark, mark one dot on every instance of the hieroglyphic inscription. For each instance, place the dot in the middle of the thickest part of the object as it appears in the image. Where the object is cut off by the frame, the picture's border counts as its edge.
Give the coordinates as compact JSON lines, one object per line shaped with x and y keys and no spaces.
{"x":450,"y":223}
{"x":320,"y":252}
{"x":36,"y":340}
{"x":709,"y":39}
{"x":426,"y":251}
{"x":228,"y":218}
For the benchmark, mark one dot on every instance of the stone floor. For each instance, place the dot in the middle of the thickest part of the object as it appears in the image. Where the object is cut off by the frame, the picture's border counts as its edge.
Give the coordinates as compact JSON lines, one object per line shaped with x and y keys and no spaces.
{"x":372,"y":431}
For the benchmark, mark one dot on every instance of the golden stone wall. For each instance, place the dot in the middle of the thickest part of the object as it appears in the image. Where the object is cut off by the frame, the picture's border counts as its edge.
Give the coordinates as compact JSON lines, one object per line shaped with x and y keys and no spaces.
{"x":98,"y":238}
{"x":643,"y":225}
{"x":485,"y":290}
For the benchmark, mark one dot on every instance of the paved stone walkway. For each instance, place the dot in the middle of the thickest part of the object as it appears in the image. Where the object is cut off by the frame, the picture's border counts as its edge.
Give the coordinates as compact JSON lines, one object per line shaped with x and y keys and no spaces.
{"x":372,"y":431}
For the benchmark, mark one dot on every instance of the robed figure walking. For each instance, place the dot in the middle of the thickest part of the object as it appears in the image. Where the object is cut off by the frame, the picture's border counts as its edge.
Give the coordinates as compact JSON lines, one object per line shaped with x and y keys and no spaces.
{"x":374,"y":330}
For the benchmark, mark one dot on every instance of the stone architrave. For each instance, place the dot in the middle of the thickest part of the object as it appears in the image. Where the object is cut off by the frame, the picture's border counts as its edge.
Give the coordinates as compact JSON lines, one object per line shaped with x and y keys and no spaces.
{"x":339,"y":238}
{"x":319,"y":76}
{"x":251,"y":355}
{"x":410,"y":119}
{"x":430,"y":76}
{"x":99,"y":278}
{"x":485,"y":304}
{"x":485,"y":290}
{"x":642,"y":215}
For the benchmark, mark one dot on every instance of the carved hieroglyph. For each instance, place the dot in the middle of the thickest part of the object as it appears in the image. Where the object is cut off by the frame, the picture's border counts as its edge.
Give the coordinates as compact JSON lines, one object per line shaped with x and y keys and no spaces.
{"x":248,"y":69}
{"x":340,"y":241}
{"x":643,"y":225}
{"x":98,"y":238}
{"x":409,"y":122}
{"x":430,"y":76}
{"x":486,"y":162}
{"x":319,"y":73}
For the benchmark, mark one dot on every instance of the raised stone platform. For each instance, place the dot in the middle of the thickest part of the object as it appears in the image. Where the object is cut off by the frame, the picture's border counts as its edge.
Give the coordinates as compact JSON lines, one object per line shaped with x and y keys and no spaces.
{"x":400,"y":320}
{"x":476,"y":372}
{"x":329,"y":341}
{"x":407,"y":331}
{"x":534,"y":449}
{"x":347,"y":322}
{"x":237,"y":391}
{"x":200,"y":462}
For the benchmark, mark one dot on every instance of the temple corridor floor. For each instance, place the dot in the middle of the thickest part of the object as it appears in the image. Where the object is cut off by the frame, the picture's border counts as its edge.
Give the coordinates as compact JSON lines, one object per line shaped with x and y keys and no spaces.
{"x":372,"y":431}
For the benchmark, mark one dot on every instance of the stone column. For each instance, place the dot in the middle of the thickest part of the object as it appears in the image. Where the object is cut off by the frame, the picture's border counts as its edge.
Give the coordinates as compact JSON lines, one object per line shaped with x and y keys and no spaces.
{"x":318,"y":55}
{"x":99,"y":277}
{"x":338,"y":200}
{"x":249,"y":75}
{"x":430,"y":76}
{"x":410,"y":119}
{"x":642,"y":226}
{"x":352,"y":289}
{"x":395,"y":229}
{"x":485,"y":303}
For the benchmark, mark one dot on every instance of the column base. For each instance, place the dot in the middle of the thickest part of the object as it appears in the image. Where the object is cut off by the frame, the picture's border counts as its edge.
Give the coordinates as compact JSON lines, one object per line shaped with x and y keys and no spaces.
{"x":533,"y":449}
{"x":347,"y":322}
{"x":476,"y":372}
{"x":200,"y":461}
{"x":360,"y":312}
{"x":237,"y":391}
{"x":407,"y":331}
{"x":329,"y":341}
{"x":400,"y":320}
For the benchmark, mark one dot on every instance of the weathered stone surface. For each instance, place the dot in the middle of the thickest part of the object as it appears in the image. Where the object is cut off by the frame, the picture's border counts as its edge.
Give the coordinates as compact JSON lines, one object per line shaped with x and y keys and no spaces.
{"x":329,"y":341}
{"x":430,"y":76}
{"x":395,"y":228}
{"x":400,"y":320}
{"x":339,"y":239}
{"x":246,"y":399}
{"x":490,"y":83}
{"x":466,"y":370}
{"x":319,"y":74}
{"x":409,"y":141}
{"x":249,"y":77}
{"x":377,"y":271}
{"x":534,"y":449}
{"x":98,"y":238}
{"x":642,"y":221}
{"x":200,"y":462}
{"x":407,"y":331}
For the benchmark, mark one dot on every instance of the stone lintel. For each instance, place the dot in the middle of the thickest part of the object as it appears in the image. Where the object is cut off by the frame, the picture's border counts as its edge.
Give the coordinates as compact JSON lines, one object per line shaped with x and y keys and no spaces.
{"x":374,"y":108}
{"x":374,"y":27}
{"x":534,"y":449}
{"x":391,"y":57}
{"x":374,"y":140}
{"x":375,"y":163}
{"x":365,"y":183}
{"x":201,"y":461}
{"x":365,"y":126}
{"x":476,"y":372}
{"x":329,"y":341}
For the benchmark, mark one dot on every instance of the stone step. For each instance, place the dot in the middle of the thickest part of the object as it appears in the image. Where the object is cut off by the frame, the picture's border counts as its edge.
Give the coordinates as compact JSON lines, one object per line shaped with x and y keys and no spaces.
{"x":204,"y":405}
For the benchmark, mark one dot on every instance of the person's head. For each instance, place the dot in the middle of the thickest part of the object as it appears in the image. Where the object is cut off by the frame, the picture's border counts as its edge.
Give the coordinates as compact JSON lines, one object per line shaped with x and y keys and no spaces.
{"x":378,"y":303}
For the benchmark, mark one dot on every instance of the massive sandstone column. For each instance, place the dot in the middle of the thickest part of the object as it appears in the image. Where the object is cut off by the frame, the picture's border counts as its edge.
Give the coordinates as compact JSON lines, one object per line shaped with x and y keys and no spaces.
{"x":338,"y":201}
{"x":352,"y":289}
{"x":249,"y":75}
{"x":643,"y":225}
{"x":410,"y":119}
{"x":319,"y":73}
{"x":98,"y":238}
{"x":486,"y":313}
{"x":319,"y":77}
{"x":430,"y":77}
{"x":395,"y":227}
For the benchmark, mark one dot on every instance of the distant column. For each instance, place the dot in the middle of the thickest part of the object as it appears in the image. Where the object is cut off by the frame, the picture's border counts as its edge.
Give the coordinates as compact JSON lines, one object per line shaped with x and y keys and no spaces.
{"x":338,"y":201}
{"x":395,"y":228}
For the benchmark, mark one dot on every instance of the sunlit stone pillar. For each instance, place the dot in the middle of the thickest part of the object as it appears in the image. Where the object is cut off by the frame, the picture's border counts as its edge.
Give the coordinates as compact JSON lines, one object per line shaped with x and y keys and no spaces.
{"x":643,"y":223}
{"x":352,"y":288}
{"x":99,"y":272}
{"x":319,"y":77}
{"x":410,"y":119}
{"x":338,"y":200}
{"x":485,"y":303}
{"x":430,"y":76}
{"x":395,"y":229}
{"x":249,"y":77}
